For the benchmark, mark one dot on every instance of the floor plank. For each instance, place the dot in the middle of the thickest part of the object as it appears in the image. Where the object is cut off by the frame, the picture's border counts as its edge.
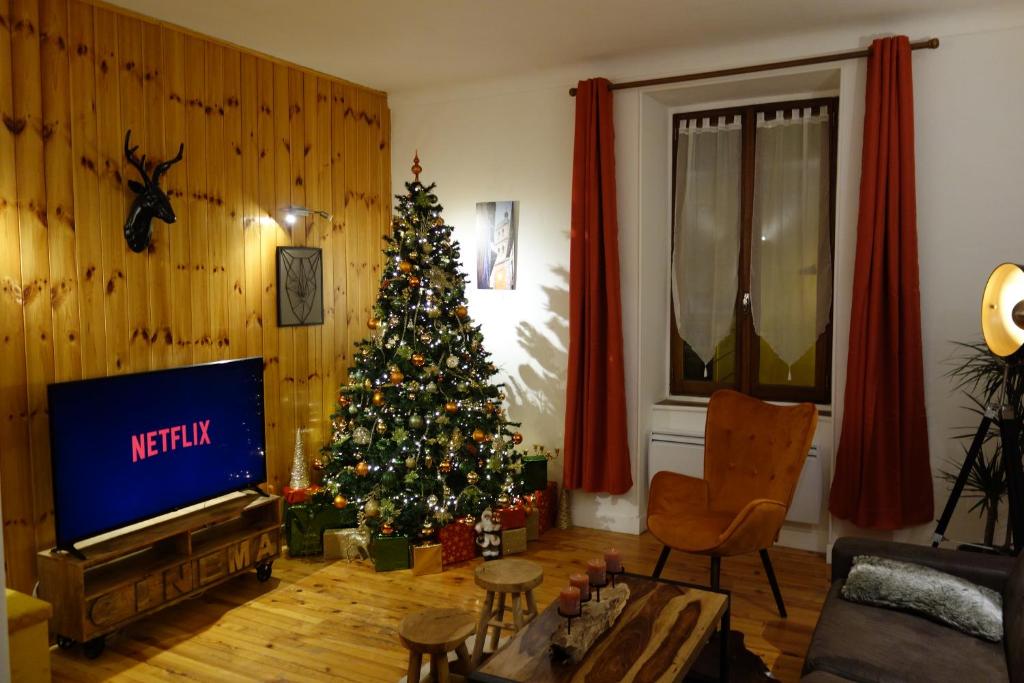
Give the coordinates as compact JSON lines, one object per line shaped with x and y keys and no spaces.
{"x":320,"y":621}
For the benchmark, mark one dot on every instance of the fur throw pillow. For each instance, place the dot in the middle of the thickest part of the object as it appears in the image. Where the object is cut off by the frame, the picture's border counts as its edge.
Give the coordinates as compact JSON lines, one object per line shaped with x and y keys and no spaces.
{"x":945,"y":598}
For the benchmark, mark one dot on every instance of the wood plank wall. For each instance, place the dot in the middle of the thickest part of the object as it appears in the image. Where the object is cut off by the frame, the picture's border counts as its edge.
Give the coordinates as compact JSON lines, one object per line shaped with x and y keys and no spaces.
{"x":75,"y":302}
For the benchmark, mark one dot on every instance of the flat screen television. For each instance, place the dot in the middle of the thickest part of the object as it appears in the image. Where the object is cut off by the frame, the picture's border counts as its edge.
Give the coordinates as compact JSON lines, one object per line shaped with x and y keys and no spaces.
{"x":131,"y":447}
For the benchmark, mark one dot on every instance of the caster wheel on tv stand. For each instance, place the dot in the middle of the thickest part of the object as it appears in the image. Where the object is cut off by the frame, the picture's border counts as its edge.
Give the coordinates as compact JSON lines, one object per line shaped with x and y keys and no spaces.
{"x":65,"y":643}
{"x":94,"y":648}
{"x":263,"y":571}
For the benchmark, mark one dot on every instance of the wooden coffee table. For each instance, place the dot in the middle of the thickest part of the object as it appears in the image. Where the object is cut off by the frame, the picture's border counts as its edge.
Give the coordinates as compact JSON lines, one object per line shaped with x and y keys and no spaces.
{"x":658,"y":636}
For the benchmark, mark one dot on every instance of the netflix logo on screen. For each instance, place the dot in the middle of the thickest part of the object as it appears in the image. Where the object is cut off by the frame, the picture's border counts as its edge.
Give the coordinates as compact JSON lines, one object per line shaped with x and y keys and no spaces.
{"x":158,"y":441}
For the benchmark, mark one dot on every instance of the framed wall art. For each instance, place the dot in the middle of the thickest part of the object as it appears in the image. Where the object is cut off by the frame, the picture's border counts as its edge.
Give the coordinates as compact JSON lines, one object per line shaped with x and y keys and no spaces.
{"x":300,"y":286}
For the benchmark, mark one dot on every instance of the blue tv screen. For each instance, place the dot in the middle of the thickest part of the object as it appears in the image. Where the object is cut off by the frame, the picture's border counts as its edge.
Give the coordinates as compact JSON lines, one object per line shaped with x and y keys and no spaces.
{"x":131,"y":447}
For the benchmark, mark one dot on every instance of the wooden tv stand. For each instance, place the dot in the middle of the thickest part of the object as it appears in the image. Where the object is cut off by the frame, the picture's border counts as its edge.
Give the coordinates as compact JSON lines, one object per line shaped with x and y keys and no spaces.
{"x":141,"y":572}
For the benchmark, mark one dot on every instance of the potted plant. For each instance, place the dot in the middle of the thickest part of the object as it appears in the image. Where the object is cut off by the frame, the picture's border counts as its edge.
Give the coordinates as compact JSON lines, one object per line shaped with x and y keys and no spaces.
{"x":978,"y":373}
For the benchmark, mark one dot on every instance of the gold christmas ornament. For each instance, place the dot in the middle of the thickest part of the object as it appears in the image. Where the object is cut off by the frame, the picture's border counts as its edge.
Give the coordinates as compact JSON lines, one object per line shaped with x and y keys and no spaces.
{"x":418,"y":360}
{"x":428,"y":461}
{"x":378,"y":398}
{"x":517,"y":438}
{"x":410,"y":462}
{"x":340,"y":501}
{"x":405,"y":266}
{"x":502,"y":500}
{"x":367,"y":384}
{"x":472,"y":477}
{"x":362,"y":469}
{"x":381,"y":427}
{"x":414,"y":281}
{"x":479,"y":435}
{"x":445,"y":467}
{"x":396,"y":375}
{"x":461,"y":311}
{"x":451,"y":407}
{"x":371,"y":508}
{"x":373,"y":323}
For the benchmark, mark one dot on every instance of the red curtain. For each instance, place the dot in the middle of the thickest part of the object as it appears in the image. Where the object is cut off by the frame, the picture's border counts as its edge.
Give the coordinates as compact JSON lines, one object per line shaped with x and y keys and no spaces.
{"x":596,"y":447}
{"x":883,"y":478}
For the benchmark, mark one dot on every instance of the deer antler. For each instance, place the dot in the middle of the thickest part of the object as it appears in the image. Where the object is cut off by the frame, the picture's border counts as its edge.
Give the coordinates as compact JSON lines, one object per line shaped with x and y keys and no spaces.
{"x":139,"y":164}
{"x":162,"y":167}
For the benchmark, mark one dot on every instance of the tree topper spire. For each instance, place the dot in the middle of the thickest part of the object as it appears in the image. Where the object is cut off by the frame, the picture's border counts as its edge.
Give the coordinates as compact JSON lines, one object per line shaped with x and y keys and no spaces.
{"x":416,"y":168}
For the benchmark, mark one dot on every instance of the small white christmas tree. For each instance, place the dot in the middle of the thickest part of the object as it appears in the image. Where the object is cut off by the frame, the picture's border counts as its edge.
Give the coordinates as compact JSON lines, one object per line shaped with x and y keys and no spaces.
{"x":300,"y":473}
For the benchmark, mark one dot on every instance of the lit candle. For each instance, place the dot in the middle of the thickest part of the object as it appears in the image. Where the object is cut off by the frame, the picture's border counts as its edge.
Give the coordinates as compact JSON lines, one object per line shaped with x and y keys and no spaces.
{"x":613,"y":560}
{"x":596,"y":572}
{"x":569,"y":601}
{"x":582,"y":583}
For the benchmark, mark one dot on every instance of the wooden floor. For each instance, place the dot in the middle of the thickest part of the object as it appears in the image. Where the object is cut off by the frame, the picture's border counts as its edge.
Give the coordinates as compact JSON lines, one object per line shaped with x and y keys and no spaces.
{"x":315,"y":620}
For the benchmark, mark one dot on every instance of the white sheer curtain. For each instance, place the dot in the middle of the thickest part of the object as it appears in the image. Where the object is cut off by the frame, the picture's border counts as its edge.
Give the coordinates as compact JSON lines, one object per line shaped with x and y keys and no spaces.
{"x":706,"y":233}
{"x":791,"y":262}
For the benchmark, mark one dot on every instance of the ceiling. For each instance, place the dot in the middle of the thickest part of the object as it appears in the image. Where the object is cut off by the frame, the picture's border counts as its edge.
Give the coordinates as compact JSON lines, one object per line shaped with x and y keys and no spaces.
{"x":407,"y":44}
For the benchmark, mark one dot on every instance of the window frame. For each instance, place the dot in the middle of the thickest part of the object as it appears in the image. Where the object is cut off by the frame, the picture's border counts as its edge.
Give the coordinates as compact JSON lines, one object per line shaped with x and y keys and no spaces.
{"x":747,"y":340}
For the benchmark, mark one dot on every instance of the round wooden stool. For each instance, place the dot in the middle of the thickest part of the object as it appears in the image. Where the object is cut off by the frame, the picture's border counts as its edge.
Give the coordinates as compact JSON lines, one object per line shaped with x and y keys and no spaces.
{"x":504,"y":577}
{"x":436,"y":632}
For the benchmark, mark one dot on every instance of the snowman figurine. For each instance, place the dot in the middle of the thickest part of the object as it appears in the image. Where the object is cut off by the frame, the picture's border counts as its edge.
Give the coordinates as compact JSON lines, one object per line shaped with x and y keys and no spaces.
{"x":488,"y":535}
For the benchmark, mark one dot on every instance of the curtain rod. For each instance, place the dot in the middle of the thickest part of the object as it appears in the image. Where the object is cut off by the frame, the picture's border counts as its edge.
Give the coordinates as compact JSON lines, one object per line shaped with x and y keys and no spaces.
{"x":930,"y":44}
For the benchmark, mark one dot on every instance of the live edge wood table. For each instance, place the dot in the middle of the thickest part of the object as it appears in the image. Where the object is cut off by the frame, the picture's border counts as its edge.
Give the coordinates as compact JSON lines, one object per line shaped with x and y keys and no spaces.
{"x":658,"y":636}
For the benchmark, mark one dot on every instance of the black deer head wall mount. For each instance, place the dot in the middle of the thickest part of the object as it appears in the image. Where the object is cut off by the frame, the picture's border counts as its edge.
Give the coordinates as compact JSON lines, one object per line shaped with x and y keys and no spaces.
{"x":150,"y":201}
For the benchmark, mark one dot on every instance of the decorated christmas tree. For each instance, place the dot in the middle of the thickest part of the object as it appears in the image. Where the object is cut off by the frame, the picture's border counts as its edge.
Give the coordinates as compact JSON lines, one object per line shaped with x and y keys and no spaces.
{"x":420,"y":432}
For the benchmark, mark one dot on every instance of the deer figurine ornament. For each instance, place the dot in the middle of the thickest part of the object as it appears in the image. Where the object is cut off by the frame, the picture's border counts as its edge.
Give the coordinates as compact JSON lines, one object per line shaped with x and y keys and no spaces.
{"x":150,"y":201}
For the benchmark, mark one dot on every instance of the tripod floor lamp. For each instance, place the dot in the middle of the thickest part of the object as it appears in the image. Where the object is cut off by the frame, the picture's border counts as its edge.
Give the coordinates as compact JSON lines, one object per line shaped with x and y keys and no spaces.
{"x":1002,"y":323}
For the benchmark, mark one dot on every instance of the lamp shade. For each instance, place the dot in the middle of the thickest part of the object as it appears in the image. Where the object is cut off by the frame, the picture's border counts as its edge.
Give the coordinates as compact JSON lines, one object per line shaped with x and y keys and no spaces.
{"x":1002,"y":310}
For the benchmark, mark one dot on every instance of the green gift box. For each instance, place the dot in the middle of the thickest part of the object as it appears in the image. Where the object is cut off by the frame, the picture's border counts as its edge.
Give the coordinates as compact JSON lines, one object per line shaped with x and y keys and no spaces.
{"x":390,"y":553}
{"x":305,"y":523}
{"x":535,"y":472}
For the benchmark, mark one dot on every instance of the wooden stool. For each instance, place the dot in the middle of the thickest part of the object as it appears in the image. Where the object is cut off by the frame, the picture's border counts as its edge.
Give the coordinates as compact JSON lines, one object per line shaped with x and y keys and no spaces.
{"x":436,"y":632}
{"x":504,"y":577}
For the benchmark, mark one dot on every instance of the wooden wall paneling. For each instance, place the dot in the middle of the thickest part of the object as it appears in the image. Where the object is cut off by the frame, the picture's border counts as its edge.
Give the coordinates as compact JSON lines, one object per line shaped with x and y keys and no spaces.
{"x":175,"y":184}
{"x":35,"y":261}
{"x":269,"y":231}
{"x":130,"y":72}
{"x":60,"y":201}
{"x":364,"y":232}
{"x":324,"y":381}
{"x":285,"y":335}
{"x":160,"y":257}
{"x":19,"y":535}
{"x":198,"y":194}
{"x":355,"y":233}
{"x":110,"y":146}
{"x":378,"y":201}
{"x":302,"y":233}
{"x":233,"y":210}
{"x":252,"y":221}
{"x":88,"y":217}
{"x":216,"y":226}
{"x":384,"y":155}
{"x":339,"y":236}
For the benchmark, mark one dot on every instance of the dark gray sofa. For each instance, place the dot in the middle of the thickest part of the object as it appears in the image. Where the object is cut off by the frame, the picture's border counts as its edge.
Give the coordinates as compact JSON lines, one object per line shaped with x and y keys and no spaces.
{"x":871,"y":644}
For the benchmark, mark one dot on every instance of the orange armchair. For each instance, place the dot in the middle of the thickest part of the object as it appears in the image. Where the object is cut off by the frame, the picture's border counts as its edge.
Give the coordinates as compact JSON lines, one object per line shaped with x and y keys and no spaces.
{"x":753,"y":455}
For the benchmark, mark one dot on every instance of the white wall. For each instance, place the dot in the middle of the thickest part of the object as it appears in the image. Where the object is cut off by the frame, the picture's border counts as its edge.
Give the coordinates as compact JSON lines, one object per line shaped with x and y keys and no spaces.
{"x":513,"y":140}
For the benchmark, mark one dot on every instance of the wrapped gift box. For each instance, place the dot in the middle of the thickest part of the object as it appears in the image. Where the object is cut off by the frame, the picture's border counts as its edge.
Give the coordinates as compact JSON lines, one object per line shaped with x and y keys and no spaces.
{"x":305,"y":523}
{"x":458,"y":542}
{"x":346,"y":544}
{"x":532,"y":524}
{"x":295,"y":496}
{"x":426,"y":559}
{"x":535,"y":472}
{"x":547,"y":502}
{"x":390,"y":553}
{"x":513,"y":541}
{"x":512,"y":517}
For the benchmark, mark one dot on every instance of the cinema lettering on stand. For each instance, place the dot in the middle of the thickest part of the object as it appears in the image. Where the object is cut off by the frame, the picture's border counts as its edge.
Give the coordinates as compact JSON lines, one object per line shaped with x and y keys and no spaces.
{"x":157,"y":441}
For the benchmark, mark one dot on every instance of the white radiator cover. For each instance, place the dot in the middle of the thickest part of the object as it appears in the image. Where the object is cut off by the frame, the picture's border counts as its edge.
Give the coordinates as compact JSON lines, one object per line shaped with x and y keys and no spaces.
{"x":684,"y":454}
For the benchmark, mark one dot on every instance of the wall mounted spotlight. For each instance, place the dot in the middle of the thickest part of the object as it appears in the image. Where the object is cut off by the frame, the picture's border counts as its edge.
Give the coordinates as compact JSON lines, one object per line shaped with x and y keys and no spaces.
{"x":292,"y":214}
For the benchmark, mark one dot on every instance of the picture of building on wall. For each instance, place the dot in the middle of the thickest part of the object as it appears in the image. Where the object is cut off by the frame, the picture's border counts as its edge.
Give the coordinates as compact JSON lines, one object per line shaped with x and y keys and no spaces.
{"x":497,"y":230}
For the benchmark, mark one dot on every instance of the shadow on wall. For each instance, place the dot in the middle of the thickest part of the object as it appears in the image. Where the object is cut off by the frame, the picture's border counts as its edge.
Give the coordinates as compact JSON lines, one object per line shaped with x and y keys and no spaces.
{"x":536,"y":390}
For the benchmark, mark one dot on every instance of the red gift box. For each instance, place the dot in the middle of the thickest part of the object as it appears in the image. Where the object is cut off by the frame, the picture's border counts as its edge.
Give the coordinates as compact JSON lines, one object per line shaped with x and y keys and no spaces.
{"x":512,"y":517}
{"x":295,"y":496}
{"x":547,"y":503}
{"x":458,"y":542}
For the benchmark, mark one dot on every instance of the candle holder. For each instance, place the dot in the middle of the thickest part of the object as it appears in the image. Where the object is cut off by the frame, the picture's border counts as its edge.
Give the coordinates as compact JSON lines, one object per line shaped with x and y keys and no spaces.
{"x":622,"y":570}
{"x":596,"y":587}
{"x":569,"y":617}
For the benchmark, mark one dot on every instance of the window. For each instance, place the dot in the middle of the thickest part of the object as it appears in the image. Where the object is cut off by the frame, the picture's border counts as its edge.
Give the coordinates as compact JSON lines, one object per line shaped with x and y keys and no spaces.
{"x":751,"y":275}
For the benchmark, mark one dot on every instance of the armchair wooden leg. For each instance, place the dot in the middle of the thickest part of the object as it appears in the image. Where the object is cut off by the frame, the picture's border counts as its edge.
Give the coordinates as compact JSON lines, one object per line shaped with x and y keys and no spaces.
{"x":716,"y":572}
{"x":770,"y":573}
{"x":661,"y":562}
